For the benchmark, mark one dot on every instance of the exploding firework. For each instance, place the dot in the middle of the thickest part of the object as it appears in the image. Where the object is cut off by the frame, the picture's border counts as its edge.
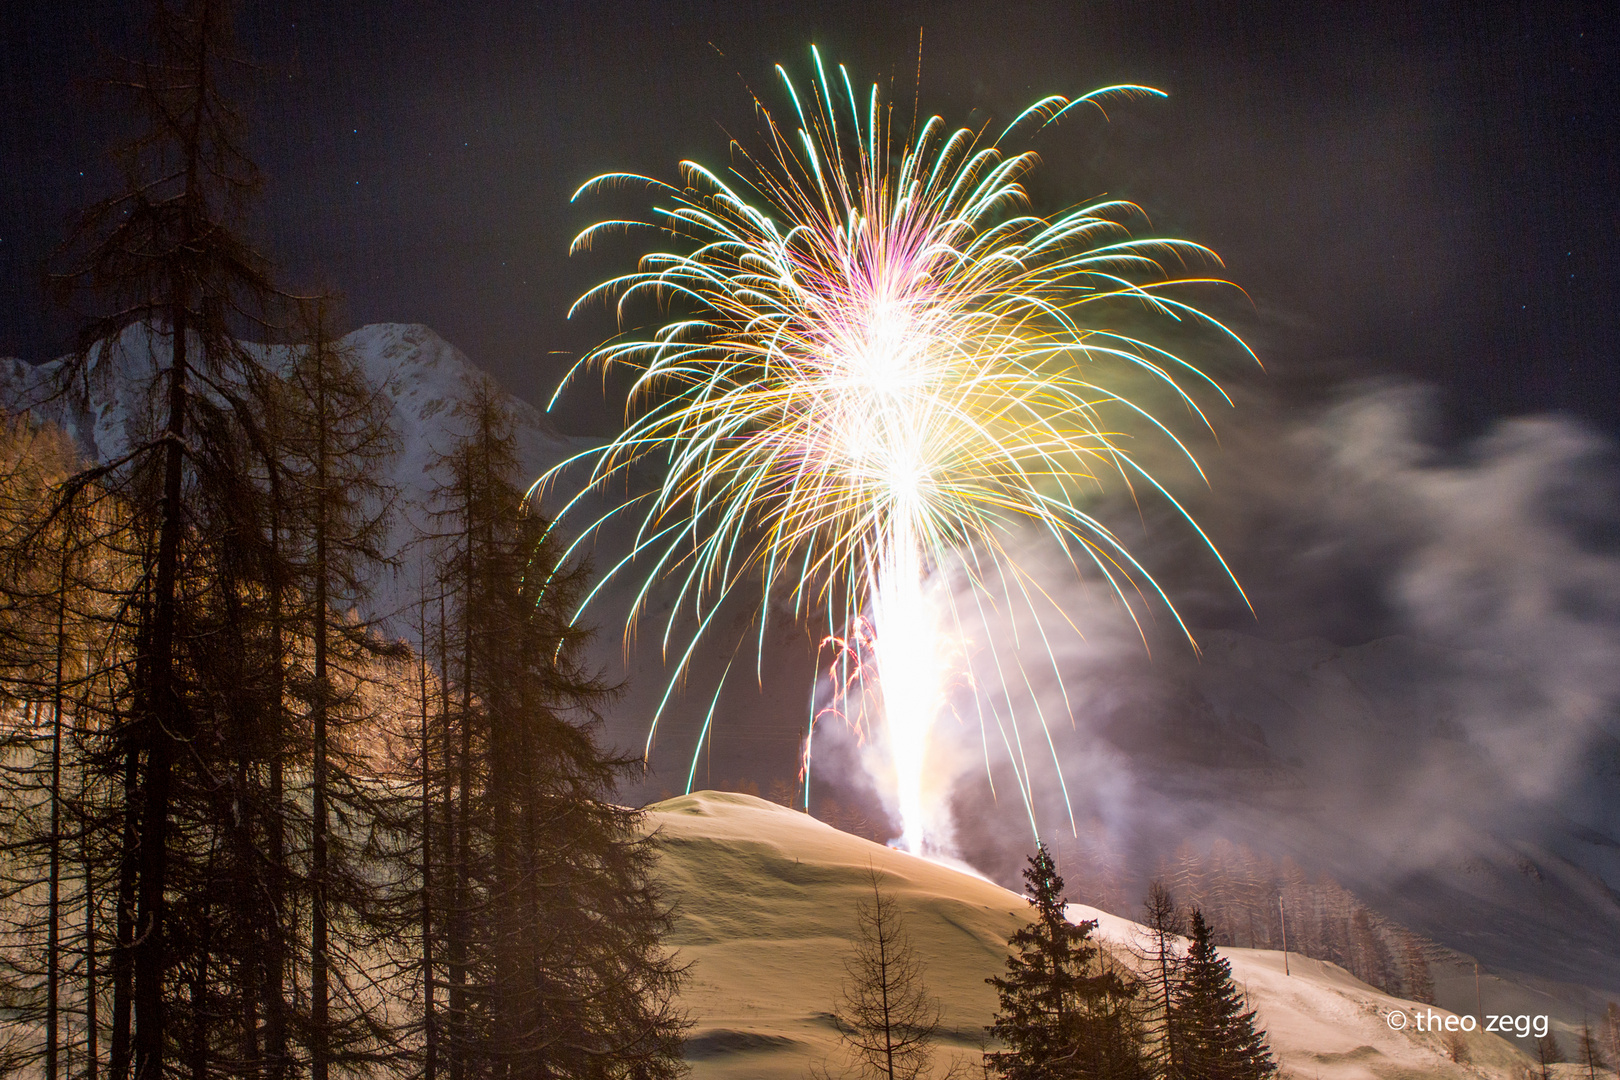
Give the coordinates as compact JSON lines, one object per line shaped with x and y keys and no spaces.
{"x":876,"y":363}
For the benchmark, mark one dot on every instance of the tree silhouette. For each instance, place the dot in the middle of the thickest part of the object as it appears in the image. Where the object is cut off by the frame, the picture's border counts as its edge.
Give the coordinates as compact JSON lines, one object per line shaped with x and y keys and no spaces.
{"x":885,"y":1016}
{"x":1162,"y":964}
{"x":1548,"y":1053}
{"x":164,"y":254}
{"x":1062,"y":1013}
{"x":1591,"y":1053}
{"x":551,"y":924}
{"x":1219,"y":1040}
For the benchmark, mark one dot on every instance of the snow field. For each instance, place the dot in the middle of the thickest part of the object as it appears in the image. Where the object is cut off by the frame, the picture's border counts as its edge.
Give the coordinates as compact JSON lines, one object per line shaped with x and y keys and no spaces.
{"x":766,"y":912}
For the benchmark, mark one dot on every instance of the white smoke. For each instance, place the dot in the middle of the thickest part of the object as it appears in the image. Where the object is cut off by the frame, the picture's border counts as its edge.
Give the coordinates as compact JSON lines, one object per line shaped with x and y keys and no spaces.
{"x":1434,"y":656}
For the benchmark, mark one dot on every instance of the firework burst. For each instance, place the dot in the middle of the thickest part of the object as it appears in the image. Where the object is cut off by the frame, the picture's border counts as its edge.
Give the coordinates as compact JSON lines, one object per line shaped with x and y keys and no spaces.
{"x":877,"y":362}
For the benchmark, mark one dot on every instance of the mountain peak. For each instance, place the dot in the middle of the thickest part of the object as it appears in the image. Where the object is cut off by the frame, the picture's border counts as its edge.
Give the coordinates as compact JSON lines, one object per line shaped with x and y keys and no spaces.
{"x":108,"y":402}
{"x":109,"y":395}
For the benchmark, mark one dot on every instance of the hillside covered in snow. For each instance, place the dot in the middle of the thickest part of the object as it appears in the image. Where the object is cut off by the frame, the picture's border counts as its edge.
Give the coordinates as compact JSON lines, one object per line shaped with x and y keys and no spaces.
{"x":766,"y":914}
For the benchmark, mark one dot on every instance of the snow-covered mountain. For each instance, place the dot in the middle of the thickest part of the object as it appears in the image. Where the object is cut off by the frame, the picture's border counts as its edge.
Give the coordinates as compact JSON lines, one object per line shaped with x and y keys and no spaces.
{"x":107,"y":403}
{"x":110,"y":399}
{"x":766,"y":915}
{"x":424,"y":376}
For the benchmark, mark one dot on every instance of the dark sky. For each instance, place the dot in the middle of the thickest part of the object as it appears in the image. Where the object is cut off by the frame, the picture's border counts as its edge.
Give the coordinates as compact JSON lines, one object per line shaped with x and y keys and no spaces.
{"x":1419,"y":189}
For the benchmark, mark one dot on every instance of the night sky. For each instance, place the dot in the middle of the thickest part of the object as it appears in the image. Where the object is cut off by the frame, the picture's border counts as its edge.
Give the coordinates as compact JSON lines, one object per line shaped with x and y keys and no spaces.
{"x":1419,"y":190}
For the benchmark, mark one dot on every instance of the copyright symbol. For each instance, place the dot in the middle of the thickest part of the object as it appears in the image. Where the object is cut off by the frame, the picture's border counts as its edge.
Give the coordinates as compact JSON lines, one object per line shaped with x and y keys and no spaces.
{"x":1396,"y":1019}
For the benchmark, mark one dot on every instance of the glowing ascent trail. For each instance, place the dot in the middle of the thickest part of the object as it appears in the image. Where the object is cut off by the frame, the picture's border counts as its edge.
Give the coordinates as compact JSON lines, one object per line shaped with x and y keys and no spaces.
{"x":876,"y":364}
{"x":885,"y":418}
{"x":912,"y":673}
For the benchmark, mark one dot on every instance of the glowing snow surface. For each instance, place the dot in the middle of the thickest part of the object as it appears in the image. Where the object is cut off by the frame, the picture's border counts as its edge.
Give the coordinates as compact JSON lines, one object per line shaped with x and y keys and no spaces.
{"x":766,"y":901}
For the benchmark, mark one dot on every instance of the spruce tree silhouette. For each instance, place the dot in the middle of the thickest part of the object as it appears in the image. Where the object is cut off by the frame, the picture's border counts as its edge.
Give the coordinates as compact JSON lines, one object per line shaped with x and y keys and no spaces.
{"x":1218,"y":1037}
{"x":1062,"y":1013}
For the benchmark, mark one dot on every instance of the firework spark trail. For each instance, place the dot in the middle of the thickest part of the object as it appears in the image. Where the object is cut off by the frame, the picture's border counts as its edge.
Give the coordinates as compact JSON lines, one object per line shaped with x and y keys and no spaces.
{"x":882,"y":365}
{"x":912,"y":671}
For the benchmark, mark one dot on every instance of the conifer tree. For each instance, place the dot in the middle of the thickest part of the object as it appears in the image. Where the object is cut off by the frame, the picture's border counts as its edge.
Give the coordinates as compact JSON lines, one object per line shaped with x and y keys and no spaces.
{"x":1609,"y":1032}
{"x":1548,"y":1054}
{"x":44,"y":628}
{"x":164,"y":255}
{"x":336,"y":439}
{"x":75,"y":648}
{"x":1416,"y":978}
{"x":1062,"y":1013}
{"x":552,"y":936}
{"x":235,"y":802}
{"x":424,"y":827}
{"x":1219,"y":1039}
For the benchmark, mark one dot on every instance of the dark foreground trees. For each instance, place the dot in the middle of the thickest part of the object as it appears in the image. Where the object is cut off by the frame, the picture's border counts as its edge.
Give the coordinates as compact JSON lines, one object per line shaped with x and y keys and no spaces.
{"x":221,"y":786}
{"x":164,"y":257}
{"x":1162,"y":963}
{"x":1067,"y":1011}
{"x":541,"y":902}
{"x":335,"y":790}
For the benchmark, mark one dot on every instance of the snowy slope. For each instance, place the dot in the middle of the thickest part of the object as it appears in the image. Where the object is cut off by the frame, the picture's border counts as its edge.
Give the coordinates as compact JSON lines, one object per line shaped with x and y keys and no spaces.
{"x":767,"y":908}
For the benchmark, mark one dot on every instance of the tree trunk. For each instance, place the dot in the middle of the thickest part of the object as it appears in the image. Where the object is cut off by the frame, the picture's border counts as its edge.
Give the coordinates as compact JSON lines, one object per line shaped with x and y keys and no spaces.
{"x":53,"y":902}
{"x":319,"y":1059}
{"x":275,"y":963}
{"x":463,"y":893}
{"x":164,"y":728}
{"x":124,"y":942}
{"x":430,"y":1033}
{"x":452,"y":1052}
{"x":92,"y":1033}
{"x":197,"y":1055}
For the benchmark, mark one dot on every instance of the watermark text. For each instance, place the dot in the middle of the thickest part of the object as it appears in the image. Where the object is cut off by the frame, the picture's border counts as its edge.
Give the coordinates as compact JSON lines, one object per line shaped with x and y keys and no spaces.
{"x":1522,"y":1025}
